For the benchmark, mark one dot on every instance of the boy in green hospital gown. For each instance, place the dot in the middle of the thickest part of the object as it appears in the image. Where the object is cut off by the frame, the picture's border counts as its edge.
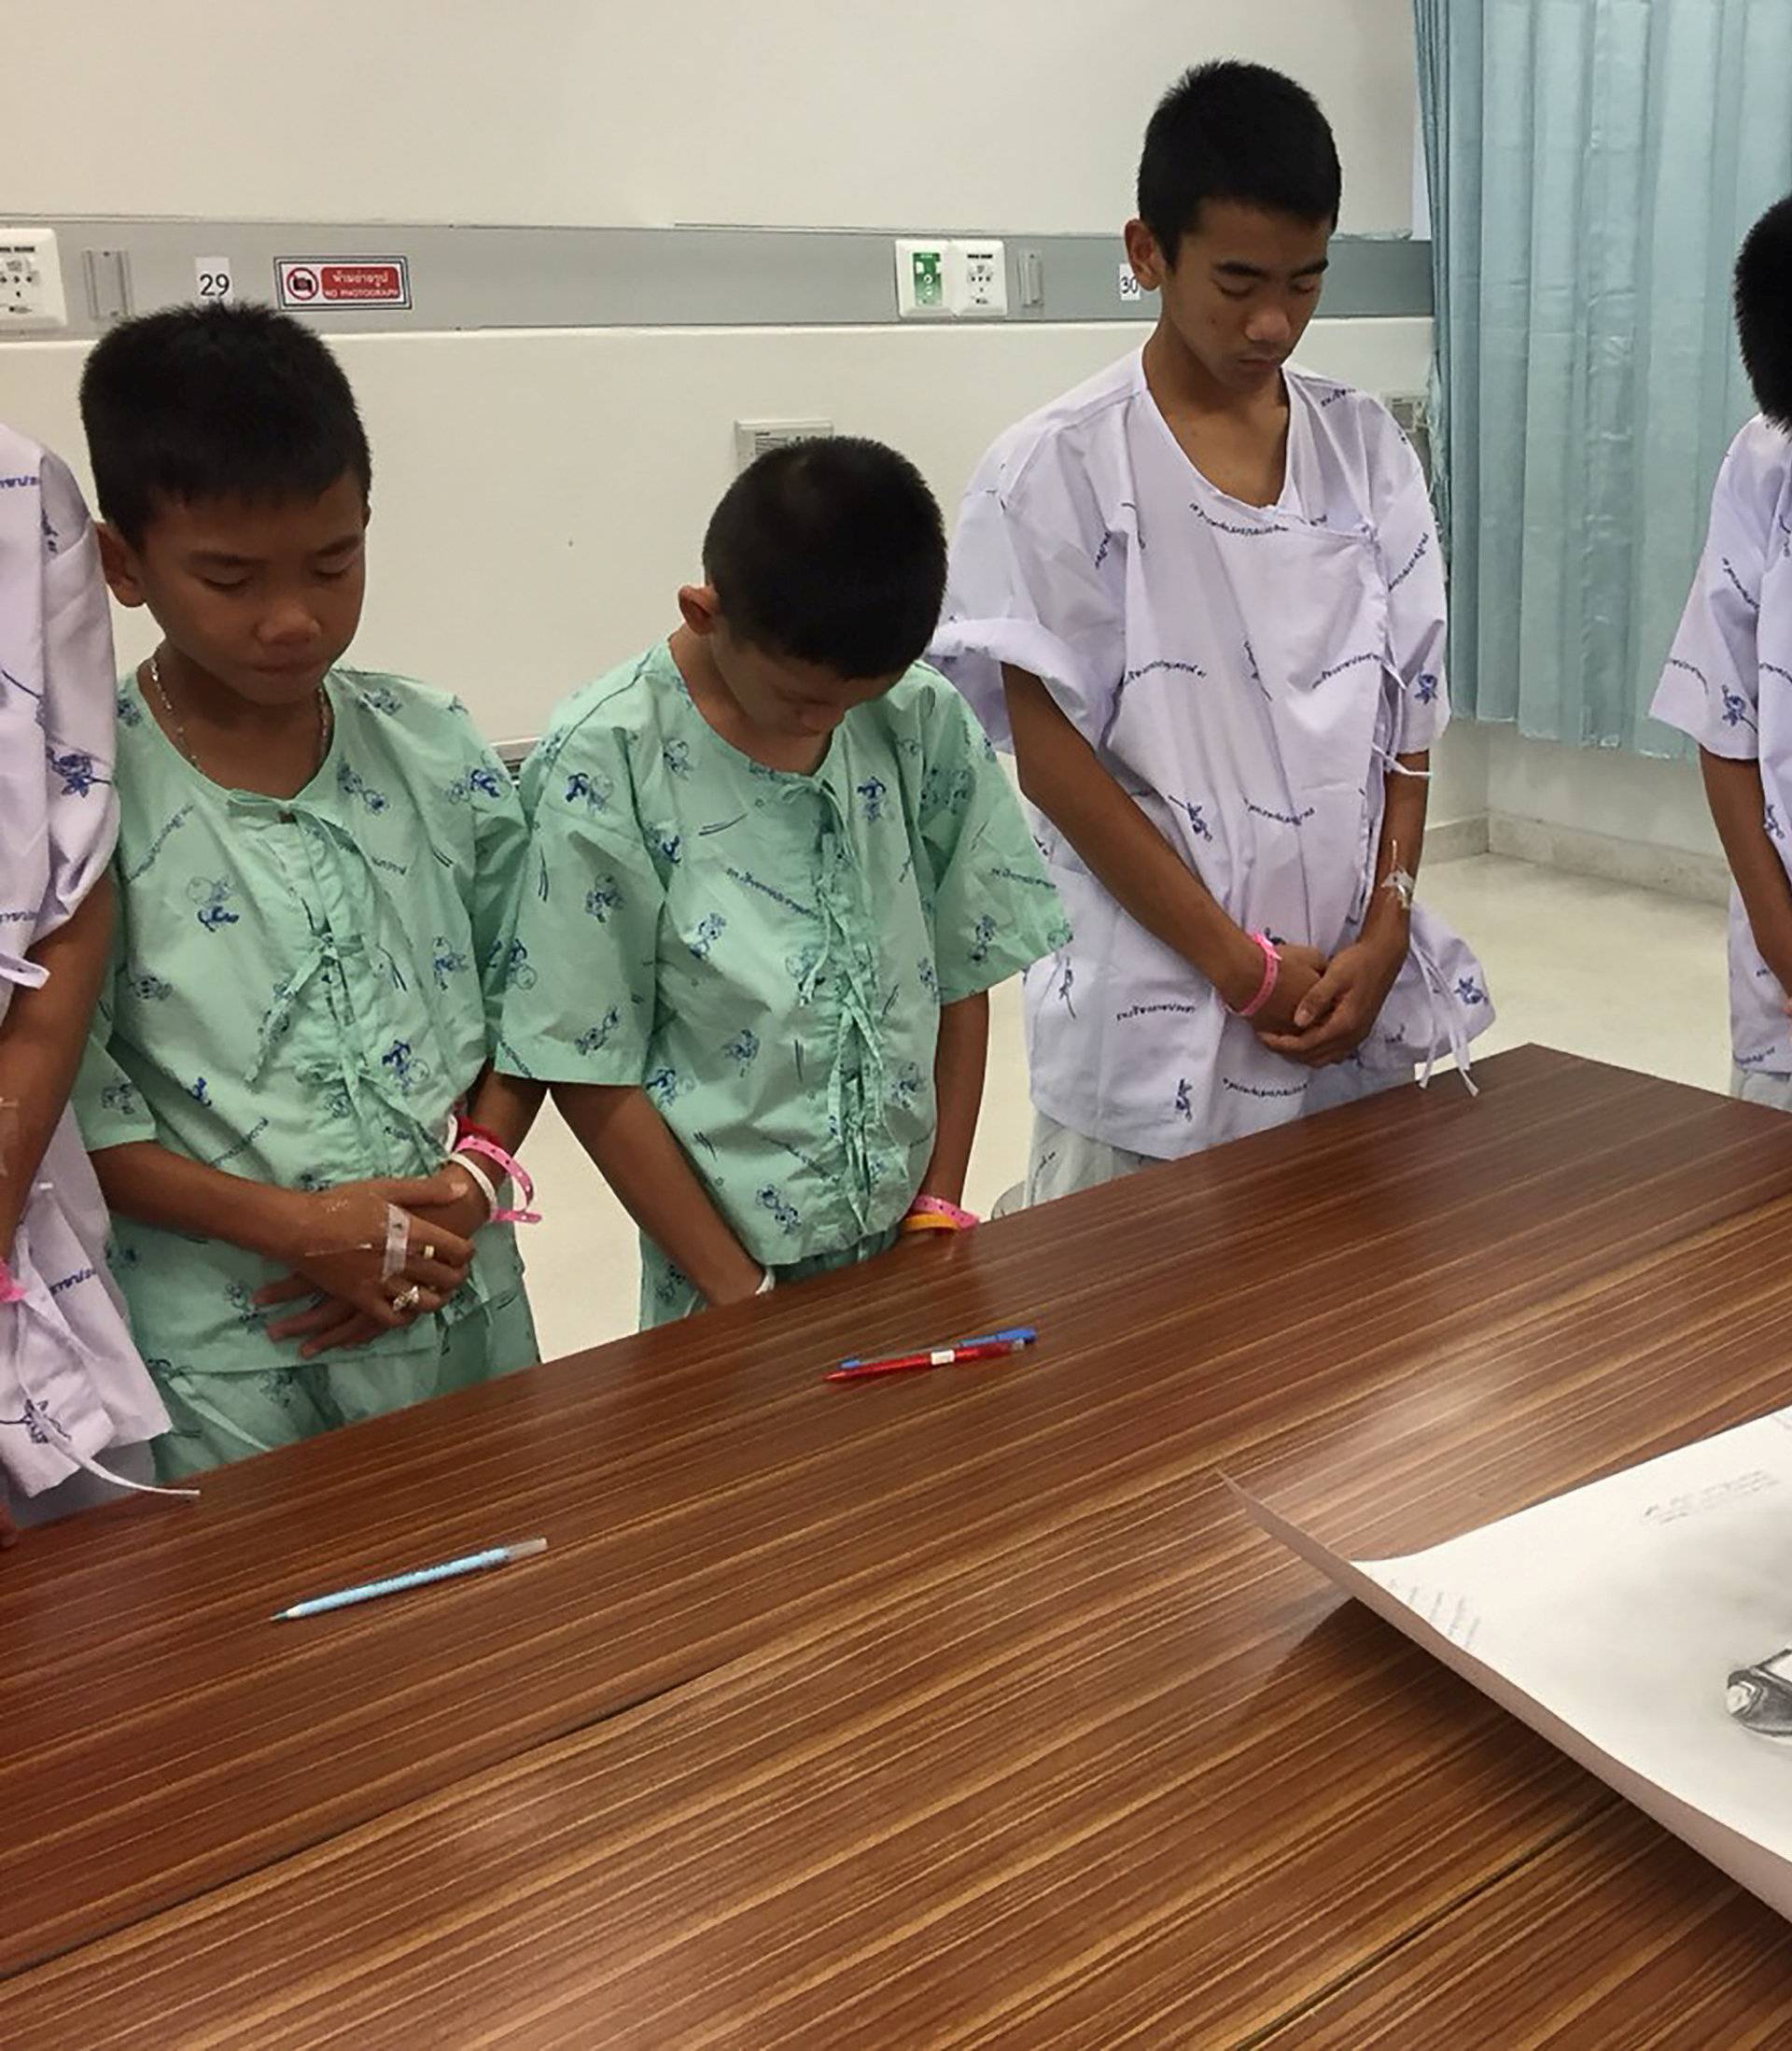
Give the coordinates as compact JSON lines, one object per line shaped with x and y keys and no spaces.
{"x":317,"y":870}
{"x":775,"y":870}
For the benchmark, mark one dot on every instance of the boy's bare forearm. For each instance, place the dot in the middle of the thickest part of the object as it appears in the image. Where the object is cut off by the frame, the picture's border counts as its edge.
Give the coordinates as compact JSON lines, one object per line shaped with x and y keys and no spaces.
{"x":959,"y":1063}
{"x":1387,"y":922}
{"x":1737,"y":809}
{"x":1063,"y":776}
{"x":41,"y":1038}
{"x":635,"y":1151}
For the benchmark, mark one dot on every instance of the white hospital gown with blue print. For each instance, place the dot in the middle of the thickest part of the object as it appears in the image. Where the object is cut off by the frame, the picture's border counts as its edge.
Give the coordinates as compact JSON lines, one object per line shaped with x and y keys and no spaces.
{"x":72,"y":1386}
{"x":302,"y":989}
{"x":1246,"y":674}
{"x":1729,"y":684}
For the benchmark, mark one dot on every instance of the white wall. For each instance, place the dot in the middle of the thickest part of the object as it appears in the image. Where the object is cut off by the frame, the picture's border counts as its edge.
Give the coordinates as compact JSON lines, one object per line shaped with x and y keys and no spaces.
{"x":1599,"y":790}
{"x":1596,"y":810}
{"x":990,"y":114}
{"x":1644,"y":802}
{"x":538,"y":497}
{"x":1457,"y":775}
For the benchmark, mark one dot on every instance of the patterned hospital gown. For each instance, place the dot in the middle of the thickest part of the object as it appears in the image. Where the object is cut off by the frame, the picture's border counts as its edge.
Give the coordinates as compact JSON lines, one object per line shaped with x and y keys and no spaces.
{"x":765,"y":954}
{"x":1246,"y":674}
{"x":72,"y":1388}
{"x":301,"y":992}
{"x":1728,"y":683}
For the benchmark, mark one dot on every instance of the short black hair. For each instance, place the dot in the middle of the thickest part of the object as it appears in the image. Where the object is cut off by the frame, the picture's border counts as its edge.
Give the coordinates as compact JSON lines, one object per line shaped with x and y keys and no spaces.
{"x":833,"y":552}
{"x":1228,"y":130}
{"x":1764,"y":311}
{"x":215,"y":401}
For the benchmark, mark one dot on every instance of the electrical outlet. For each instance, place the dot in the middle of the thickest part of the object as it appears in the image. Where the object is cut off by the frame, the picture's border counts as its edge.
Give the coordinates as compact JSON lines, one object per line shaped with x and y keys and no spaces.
{"x":1411,"y":412}
{"x":921,"y":280}
{"x":31,"y":282}
{"x":977,"y":279}
{"x":753,"y":438}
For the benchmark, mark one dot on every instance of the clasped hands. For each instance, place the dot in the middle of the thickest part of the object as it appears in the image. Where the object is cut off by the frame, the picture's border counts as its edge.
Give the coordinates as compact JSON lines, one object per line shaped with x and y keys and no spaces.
{"x":1320,"y":1010}
{"x":371,"y":1257}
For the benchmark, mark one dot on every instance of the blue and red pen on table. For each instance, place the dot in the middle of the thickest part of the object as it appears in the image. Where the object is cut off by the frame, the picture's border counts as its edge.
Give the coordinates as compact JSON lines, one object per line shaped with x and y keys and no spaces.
{"x":985,"y":1346}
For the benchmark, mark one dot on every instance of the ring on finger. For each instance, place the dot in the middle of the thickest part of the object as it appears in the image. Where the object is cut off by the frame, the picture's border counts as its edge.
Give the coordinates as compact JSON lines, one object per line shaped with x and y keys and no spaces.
{"x":429,"y":1250}
{"x":408,"y":1299}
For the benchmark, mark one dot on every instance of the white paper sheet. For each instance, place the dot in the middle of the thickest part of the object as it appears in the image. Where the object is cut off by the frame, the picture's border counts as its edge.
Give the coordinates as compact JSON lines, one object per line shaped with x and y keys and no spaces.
{"x":1615,"y":1621}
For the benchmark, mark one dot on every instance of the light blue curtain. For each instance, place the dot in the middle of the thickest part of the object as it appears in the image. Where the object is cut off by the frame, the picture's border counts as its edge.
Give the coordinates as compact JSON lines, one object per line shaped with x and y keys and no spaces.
{"x":1593,"y":165}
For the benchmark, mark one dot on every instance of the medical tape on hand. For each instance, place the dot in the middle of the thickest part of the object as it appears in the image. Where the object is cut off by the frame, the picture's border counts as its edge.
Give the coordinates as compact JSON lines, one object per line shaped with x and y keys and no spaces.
{"x":1402,"y":882}
{"x":398,"y":1242}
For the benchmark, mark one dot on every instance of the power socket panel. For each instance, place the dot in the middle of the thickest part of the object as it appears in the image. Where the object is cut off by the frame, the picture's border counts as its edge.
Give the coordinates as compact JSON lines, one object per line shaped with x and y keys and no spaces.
{"x":31,"y":282}
{"x":977,"y":280}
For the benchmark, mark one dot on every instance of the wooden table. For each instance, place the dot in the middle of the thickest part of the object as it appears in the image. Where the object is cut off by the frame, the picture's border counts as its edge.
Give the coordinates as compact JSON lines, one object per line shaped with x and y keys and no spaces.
{"x":960,"y":1708}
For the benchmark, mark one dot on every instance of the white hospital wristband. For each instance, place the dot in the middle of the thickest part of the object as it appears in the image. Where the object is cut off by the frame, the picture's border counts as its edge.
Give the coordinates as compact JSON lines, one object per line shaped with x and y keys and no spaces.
{"x":481,"y":1181}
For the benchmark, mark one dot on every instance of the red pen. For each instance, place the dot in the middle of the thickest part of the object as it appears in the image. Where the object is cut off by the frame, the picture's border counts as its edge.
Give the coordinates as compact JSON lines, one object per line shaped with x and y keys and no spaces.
{"x":991,"y":1346}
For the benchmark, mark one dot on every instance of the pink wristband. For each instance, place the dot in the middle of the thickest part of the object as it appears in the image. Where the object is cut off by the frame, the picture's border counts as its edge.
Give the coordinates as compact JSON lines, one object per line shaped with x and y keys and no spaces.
{"x":470,"y":1140}
{"x":1271,"y":969}
{"x":948,"y":1213}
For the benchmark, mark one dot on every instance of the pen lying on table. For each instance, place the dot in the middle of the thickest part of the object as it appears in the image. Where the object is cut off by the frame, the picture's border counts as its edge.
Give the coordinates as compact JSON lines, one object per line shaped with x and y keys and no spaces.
{"x":989,"y":1346}
{"x":419,"y":1577}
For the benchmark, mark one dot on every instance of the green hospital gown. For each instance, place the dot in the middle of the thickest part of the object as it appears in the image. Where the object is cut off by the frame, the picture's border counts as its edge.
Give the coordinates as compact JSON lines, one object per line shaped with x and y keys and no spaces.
{"x":301,"y":990}
{"x":765,"y":954}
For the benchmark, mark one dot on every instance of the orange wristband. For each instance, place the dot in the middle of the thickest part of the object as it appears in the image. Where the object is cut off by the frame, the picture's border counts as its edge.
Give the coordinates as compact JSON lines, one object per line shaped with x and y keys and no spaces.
{"x":935,"y":1215}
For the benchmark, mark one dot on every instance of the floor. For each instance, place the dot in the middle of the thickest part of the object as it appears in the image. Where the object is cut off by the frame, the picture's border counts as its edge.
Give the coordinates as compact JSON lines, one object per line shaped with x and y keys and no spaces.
{"x":1596,"y":968}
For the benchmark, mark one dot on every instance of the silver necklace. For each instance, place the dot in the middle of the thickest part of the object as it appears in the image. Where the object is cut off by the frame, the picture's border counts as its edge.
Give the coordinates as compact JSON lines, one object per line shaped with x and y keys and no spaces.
{"x":325,"y":722}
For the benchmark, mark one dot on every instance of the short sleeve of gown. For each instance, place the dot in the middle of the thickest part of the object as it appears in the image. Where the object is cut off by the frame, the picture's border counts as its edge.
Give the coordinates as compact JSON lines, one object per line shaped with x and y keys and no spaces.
{"x":500,"y":859}
{"x":1026,"y":587}
{"x":1710,"y":687}
{"x":1412,"y":563}
{"x":993,"y":909}
{"x":109,"y":1108}
{"x":581,"y":1008}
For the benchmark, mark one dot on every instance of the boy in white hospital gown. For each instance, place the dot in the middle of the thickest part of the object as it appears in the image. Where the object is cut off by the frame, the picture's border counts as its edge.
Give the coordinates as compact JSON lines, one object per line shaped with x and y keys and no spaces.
{"x":1201,"y":598}
{"x":1729,"y":678}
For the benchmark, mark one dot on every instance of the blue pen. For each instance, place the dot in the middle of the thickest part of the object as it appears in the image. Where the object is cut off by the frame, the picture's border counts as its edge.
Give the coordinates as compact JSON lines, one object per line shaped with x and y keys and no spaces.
{"x":421,"y":1576}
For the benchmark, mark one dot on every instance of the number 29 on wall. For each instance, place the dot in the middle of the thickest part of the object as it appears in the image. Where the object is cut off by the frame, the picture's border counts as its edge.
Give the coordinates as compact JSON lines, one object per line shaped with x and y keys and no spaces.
{"x":213,"y":280}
